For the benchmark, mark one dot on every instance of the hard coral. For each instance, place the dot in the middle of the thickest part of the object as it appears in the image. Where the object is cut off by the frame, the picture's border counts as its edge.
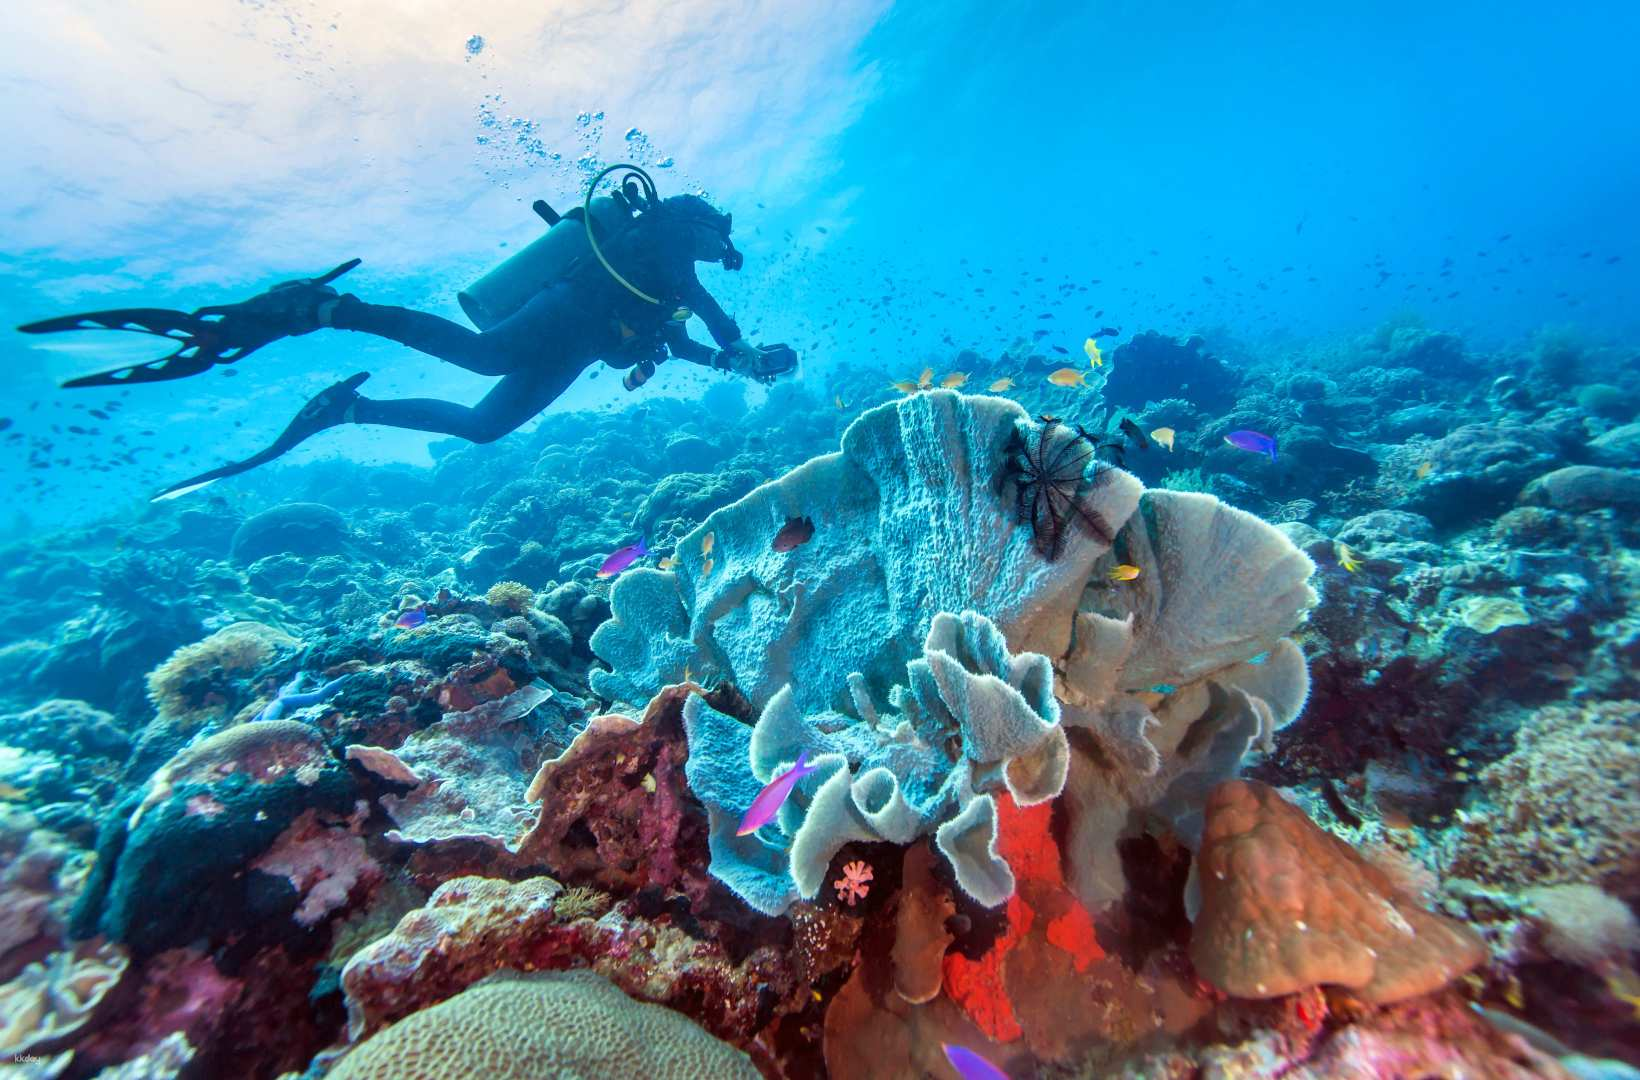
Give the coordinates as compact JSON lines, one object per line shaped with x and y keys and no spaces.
{"x":614,"y":807}
{"x":53,"y":1000}
{"x":571,"y":1023}
{"x":196,"y":683}
{"x":511,"y":596}
{"x":1561,"y":806}
{"x":1286,"y":906}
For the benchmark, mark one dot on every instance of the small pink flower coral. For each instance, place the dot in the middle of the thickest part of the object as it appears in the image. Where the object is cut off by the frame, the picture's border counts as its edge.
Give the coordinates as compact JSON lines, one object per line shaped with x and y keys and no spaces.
{"x":852,"y":885}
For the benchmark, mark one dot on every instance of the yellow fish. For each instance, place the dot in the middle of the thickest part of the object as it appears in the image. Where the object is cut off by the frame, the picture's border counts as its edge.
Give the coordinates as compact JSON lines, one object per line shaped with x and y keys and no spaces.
{"x":905,"y":386}
{"x":681,"y":315}
{"x":1124,"y":572}
{"x":11,"y":792}
{"x":1346,"y":557}
{"x":1095,"y":357}
{"x":954,"y":380}
{"x":926,"y":379}
{"x":1068,"y":377}
{"x":708,"y":544}
{"x":1002,"y":384}
{"x":668,"y":563}
{"x":1425,"y":469}
{"x":1164,"y":436}
{"x":837,"y":399}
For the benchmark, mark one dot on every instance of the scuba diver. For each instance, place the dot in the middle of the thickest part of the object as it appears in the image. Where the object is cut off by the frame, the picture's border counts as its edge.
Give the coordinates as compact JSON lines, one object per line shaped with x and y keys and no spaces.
{"x":611,"y":280}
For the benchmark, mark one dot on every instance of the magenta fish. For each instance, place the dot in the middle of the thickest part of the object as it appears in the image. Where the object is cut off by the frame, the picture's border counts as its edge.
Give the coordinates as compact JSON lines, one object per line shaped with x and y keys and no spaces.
{"x":623,"y":558}
{"x":969,"y":1065}
{"x":1253,"y":441}
{"x":411,"y":619}
{"x":773,"y":796}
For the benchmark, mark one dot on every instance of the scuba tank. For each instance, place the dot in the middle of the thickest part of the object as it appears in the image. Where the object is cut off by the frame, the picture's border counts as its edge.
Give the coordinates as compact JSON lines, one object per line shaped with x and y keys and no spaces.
{"x":546,"y":259}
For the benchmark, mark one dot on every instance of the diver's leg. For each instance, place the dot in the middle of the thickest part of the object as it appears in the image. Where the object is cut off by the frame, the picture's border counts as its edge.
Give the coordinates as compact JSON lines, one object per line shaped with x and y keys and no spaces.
{"x":548,"y":318}
{"x":508,"y":406}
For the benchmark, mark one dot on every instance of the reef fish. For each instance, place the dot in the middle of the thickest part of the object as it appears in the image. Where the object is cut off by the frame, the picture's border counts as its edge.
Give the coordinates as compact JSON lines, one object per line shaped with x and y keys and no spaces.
{"x":773,"y":796}
{"x":1425,"y":469}
{"x":794,"y":534}
{"x":954,"y":380}
{"x":1124,"y":572}
{"x":1131,"y":430}
{"x":1004,"y":383}
{"x":1164,"y":437}
{"x":1252,"y":441}
{"x":668,"y":563}
{"x":1095,"y":357}
{"x":905,"y":386}
{"x":1068,"y":377}
{"x":411,"y":619}
{"x":708,"y":543}
{"x":1346,"y":557}
{"x":623,"y":558}
{"x":969,"y":1065}
{"x":837,"y":399}
{"x":926,"y":379}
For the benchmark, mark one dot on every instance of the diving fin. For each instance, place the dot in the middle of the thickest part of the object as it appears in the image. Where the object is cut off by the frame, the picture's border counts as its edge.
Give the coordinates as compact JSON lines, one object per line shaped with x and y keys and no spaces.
{"x":325,"y":409}
{"x":217,"y":334}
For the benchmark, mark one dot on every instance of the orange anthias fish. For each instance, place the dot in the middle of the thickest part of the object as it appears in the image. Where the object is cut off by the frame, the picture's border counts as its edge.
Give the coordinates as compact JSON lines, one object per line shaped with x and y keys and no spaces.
{"x":794,"y":534}
{"x":706,"y":567}
{"x":926,"y":379}
{"x":668,"y":563}
{"x":708,"y":543}
{"x":954,"y":380}
{"x":1068,"y":377}
{"x":1425,"y":469}
{"x":905,"y":386}
{"x":1164,"y":437}
{"x":1124,"y":572}
{"x":837,"y":399}
{"x":1001,"y":385}
{"x":1095,"y":357}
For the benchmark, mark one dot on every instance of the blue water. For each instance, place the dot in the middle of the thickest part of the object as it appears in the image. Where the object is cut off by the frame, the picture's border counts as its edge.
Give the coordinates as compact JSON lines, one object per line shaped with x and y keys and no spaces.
{"x":1274,"y":173}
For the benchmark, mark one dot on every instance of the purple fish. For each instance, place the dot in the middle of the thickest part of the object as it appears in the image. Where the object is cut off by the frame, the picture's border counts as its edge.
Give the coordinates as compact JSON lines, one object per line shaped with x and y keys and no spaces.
{"x":411,"y":619}
{"x":773,"y":796}
{"x":1252,"y":440}
{"x":969,"y":1065}
{"x":623,"y":558}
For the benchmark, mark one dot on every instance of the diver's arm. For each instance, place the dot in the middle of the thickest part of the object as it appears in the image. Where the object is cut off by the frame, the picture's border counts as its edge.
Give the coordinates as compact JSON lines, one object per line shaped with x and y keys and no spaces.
{"x":684,"y":347}
{"x":695,"y":297}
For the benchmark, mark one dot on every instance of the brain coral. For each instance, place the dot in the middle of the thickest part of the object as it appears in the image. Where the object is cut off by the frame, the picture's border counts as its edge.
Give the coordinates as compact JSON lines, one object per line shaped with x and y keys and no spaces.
{"x":563,"y":1024}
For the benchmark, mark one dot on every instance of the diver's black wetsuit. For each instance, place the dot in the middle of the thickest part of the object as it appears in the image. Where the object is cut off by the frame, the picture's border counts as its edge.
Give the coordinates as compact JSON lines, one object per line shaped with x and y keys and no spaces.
{"x":539,"y":350}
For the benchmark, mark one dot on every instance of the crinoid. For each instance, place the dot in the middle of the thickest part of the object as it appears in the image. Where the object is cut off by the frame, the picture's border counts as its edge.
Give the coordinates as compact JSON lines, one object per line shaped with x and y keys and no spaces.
{"x":1051,"y":482}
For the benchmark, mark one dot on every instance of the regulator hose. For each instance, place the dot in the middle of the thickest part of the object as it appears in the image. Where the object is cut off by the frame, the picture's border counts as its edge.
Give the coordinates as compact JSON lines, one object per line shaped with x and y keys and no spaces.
{"x":650,"y":196}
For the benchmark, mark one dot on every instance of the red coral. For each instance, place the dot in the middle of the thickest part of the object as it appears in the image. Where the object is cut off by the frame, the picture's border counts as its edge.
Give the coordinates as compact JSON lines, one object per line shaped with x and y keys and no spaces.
{"x":1025,"y":840}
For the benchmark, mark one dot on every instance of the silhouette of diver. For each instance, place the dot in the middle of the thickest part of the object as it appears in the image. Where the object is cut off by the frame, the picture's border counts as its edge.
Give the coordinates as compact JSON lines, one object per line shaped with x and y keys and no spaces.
{"x":545,"y":315}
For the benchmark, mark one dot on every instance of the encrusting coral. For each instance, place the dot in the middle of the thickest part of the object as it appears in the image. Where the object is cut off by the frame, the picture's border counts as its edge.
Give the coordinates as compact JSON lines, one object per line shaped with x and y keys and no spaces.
{"x":53,"y":1000}
{"x":572,"y":1023}
{"x":1286,"y":906}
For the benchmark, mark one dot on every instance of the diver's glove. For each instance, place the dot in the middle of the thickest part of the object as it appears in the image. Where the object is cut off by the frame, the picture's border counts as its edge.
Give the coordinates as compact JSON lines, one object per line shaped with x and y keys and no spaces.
{"x":764,"y":364}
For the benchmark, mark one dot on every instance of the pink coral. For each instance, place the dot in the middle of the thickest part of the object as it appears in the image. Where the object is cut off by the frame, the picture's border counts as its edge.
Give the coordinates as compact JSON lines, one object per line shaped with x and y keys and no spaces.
{"x":852,"y":885}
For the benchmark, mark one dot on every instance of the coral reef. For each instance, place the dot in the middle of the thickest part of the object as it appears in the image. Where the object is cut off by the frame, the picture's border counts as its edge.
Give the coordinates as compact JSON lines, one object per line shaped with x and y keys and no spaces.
{"x":367,"y":770}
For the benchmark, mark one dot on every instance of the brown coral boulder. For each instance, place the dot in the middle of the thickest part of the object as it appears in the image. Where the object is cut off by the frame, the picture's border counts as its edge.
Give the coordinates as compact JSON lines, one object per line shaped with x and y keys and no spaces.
{"x":1286,"y":906}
